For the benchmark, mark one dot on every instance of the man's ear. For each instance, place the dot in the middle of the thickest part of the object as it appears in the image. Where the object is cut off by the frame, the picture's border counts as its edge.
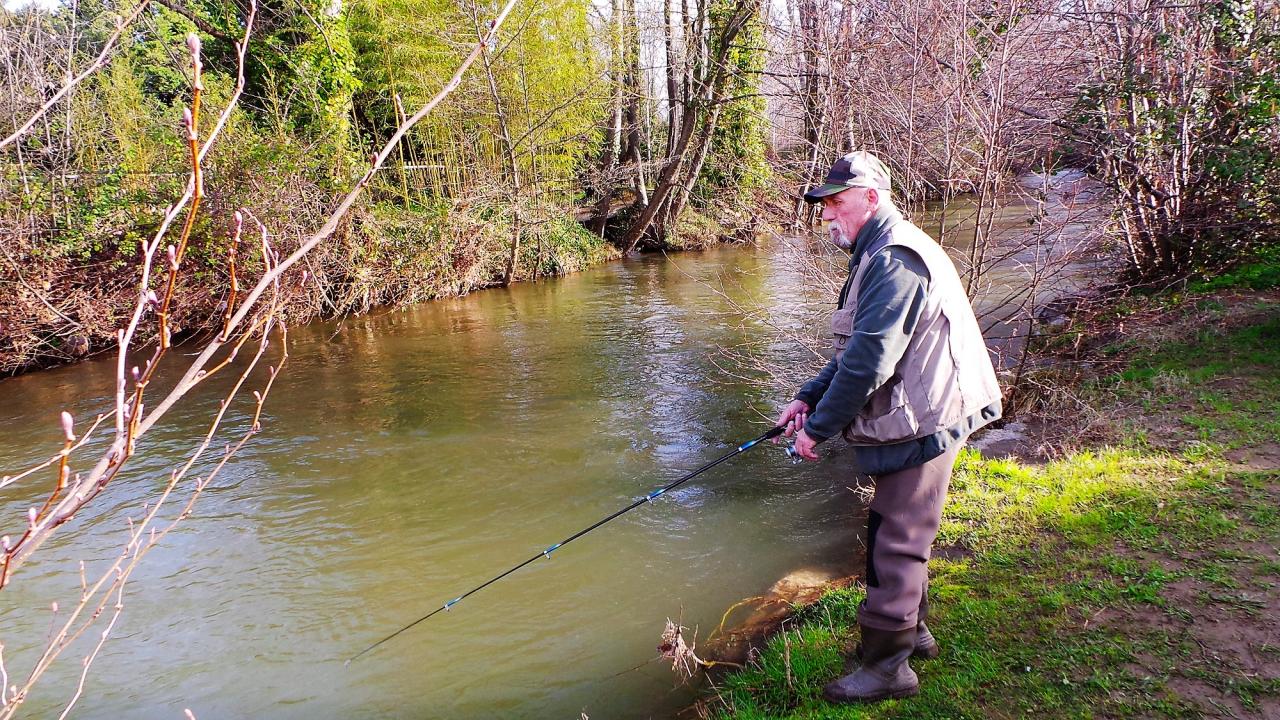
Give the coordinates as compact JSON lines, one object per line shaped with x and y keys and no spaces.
{"x":873,"y":197}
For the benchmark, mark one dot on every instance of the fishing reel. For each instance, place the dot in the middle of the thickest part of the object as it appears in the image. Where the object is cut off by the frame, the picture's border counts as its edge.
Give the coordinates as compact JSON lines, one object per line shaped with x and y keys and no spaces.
{"x":794,"y":456}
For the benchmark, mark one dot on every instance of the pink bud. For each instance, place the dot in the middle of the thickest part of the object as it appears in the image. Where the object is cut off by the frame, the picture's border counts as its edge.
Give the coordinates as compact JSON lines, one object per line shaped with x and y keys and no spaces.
{"x":31,"y":516}
{"x":193,"y":43}
{"x":173,"y":257}
{"x":239,"y":219}
{"x":152,"y":298}
{"x":68,"y":424}
{"x":137,"y":374}
{"x":189,"y":122}
{"x":8,"y":545}
{"x":304,"y":277}
{"x":54,"y":606}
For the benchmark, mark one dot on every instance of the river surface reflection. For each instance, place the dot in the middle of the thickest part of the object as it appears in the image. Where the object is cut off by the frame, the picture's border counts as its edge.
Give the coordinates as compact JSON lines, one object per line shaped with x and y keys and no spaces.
{"x":408,"y":456}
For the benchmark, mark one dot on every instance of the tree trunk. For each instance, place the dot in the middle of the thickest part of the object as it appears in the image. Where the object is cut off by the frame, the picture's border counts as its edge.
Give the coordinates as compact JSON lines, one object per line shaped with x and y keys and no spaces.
{"x":707,"y":80}
{"x":509,"y":153}
{"x":694,"y":169}
{"x":673,"y":86}
{"x":610,"y":155}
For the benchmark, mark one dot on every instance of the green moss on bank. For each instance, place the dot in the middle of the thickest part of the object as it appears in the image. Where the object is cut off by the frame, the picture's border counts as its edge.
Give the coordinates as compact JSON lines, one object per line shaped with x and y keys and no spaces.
{"x":1124,"y":581}
{"x":1261,"y":273}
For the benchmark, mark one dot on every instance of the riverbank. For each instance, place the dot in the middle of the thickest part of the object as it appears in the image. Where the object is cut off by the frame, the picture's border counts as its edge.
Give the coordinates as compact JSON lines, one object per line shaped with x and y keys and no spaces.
{"x":1122,"y":562}
{"x":67,"y":302}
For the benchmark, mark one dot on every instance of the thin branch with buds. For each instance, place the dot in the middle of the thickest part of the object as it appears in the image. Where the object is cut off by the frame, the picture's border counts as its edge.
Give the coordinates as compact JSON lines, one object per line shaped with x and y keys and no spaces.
{"x":251,"y":320}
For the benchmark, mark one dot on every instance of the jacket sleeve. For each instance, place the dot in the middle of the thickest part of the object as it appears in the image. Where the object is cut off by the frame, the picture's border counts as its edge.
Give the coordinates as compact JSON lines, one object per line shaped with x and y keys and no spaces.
{"x":890,"y":299}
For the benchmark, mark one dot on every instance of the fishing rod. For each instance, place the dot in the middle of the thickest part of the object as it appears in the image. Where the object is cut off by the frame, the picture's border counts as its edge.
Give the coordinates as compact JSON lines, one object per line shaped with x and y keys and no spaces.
{"x":773,"y":433}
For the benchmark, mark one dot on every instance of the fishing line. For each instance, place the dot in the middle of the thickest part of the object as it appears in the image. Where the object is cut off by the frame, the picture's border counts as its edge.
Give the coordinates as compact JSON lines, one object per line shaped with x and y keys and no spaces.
{"x":773,"y":433}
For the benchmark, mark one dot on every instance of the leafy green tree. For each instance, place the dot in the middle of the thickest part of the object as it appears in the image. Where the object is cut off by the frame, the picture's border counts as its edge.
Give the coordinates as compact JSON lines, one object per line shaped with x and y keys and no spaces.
{"x":1184,"y":118}
{"x":738,"y":162}
{"x":544,"y":67}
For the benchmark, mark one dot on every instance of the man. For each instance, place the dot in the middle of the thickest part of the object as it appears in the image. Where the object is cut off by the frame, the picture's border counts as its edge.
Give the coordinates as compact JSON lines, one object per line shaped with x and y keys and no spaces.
{"x":910,"y":379}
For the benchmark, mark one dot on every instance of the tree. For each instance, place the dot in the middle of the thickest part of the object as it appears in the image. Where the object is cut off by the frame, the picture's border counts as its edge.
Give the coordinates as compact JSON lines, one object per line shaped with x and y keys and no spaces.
{"x":1181,"y":113}
{"x":710,"y":32}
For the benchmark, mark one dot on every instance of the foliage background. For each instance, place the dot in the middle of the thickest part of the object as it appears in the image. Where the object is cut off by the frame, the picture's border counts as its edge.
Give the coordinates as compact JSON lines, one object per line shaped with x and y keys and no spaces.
{"x":327,"y":82}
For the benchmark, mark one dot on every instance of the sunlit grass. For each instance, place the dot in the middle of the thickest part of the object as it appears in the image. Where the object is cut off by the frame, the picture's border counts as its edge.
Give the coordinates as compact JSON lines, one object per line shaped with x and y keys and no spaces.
{"x":1031,"y":610}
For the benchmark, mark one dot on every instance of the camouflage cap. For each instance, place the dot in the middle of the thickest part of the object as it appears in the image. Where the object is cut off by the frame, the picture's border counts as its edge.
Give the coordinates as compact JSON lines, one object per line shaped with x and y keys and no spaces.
{"x":858,"y":169}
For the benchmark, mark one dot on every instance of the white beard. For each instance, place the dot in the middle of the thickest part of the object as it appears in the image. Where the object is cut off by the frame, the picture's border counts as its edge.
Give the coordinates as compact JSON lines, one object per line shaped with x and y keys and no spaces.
{"x":839,"y":239}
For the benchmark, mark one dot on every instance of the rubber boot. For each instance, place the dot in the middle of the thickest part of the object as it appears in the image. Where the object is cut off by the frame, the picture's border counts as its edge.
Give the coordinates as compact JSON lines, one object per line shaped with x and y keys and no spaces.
{"x":885,"y":672}
{"x":926,"y":645}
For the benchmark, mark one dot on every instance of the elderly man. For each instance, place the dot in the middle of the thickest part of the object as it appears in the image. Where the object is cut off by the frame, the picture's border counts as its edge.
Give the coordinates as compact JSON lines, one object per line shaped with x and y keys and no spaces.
{"x":910,"y":379}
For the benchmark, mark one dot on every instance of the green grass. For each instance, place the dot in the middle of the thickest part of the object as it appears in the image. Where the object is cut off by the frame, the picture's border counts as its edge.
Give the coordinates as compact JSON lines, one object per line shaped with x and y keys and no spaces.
{"x":1262,"y":273}
{"x":1223,"y":388}
{"x":1081,"y":582}
{"x":1053,"y":548}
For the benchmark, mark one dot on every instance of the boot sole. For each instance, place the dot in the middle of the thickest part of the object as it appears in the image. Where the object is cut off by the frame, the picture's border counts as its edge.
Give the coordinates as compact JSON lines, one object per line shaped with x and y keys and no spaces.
{"x":892,"y":695}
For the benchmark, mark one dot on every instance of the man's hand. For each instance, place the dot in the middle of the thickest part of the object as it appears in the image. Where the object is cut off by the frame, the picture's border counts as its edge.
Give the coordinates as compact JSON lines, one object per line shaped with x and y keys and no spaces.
{"x":793,"y":417}
{"x":804,"y":445}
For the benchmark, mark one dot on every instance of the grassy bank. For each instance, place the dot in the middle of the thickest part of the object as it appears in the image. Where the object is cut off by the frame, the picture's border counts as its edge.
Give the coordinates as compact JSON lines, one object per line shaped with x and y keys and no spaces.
{"x":1134,"y":576}
{"x":487,"y":188}
{"x":69,"y":299}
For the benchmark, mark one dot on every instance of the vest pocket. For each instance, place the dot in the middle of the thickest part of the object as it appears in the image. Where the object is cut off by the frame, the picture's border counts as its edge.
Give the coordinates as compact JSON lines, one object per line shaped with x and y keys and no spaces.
{"x":841,"y":329}
{"x":886,"y":418}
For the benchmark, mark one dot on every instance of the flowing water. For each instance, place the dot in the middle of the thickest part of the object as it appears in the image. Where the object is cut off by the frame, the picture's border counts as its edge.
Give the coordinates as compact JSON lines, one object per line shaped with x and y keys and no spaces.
{"x":409,"y":456}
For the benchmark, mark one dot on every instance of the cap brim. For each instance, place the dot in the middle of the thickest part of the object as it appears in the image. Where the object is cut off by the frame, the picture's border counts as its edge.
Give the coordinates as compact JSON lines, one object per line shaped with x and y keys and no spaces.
{"x":822,"y":191}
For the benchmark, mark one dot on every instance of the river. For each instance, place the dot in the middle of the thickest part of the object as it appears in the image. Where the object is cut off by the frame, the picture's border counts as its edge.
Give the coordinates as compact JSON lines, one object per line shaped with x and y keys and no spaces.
{"x":410,"y":455}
